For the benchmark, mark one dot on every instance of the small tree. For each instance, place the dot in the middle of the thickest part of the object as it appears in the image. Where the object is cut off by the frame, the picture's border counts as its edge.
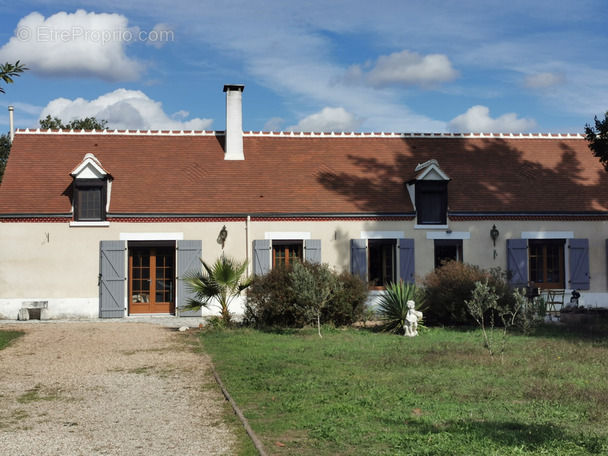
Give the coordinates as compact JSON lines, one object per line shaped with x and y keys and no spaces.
{"x":5,"y":150}
{"x":313,"y":288}
{"x":219,"y":283}
{"x":485,"y":305}
{"x":598,"y":139}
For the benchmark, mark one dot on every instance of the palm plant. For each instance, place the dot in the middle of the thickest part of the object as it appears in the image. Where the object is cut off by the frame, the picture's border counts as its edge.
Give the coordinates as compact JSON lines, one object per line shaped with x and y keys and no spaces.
{"x":217,"y":284}
{"x":392,"y":308}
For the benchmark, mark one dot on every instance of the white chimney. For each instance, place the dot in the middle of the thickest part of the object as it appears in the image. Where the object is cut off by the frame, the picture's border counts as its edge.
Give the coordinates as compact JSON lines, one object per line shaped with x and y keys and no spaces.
{"x":233,"y":149}
{"x":11,"y":123}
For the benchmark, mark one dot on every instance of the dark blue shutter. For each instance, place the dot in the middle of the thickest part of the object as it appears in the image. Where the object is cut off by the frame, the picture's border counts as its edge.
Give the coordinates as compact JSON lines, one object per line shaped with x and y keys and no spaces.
{"x":261,"y":256}
{"x":358,"y":257}
{"x":517,"y":262}
{"x":406,"y":260}
{"x":188,"y":259}
{"x":312,"y":251}
{"x":579,"y":264}
{"x":112,"y":279}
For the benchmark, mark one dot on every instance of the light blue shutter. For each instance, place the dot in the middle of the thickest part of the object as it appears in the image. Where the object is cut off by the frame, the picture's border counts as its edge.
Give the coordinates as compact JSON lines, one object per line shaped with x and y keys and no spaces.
{"x":579,"y":264}
{"x":406,"y":260}
{"x":261,"y":256}
{"x":188,"y":259}
{"x":112,"y":279}
{"x":312,"y":251}
{"x":517,"y":262}
{"x":358,"y":257}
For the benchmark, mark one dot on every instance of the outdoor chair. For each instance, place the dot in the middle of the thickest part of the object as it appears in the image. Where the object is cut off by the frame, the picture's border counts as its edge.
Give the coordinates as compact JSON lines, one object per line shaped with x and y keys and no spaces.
{"x":555,"y":301}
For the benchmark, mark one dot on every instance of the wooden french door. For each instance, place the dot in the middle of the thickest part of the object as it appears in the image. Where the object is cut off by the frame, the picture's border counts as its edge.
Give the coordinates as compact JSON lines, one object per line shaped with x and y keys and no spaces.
{"x":151,"y":279}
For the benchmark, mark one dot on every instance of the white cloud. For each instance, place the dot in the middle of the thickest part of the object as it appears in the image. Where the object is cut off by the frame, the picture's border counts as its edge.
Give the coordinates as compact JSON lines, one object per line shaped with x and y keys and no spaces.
{"x":404,"y":68}
{"x":544,"y":80}
{"x":477,"y":120}
{"x":76,"y":44}
{"x":327,"y":120}
{"x":273,"y":124}
{"x":124,"y":109}
{"x":159,"y":35}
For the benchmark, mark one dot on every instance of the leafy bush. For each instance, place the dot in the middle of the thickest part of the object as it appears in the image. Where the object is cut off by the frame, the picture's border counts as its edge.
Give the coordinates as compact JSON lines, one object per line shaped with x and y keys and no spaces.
{"x":274,"y":300}
{"x":392,"y":307}
{"x":347,"y":305}
{"x":449,"y":286}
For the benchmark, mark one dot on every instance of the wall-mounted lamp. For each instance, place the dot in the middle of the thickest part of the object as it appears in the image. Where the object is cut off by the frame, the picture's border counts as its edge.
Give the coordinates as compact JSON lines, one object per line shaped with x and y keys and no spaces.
{"x":494,"y":234}
{"x":221,"y":239}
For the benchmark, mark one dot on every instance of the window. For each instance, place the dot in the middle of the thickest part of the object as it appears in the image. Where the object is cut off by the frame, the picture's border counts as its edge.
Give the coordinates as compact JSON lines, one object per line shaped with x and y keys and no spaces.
{"x":447,"y":250}
{"x":381,"y":261}
{"x":431,"y":202}
{"x":89,"y":199}
{"x":546,"y":260}
{"x":286,"y":252}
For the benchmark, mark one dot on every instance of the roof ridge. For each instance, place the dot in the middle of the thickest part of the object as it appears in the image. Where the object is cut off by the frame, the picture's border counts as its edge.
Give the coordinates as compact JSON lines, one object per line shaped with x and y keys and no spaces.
{"x":292,"y":134}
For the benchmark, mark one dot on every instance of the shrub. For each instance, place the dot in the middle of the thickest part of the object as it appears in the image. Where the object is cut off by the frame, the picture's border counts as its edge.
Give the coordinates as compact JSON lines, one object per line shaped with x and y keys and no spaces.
{"x":449,"y":286}
{"x":273,"y":301}
{"x":347,"y":305}
{"x":446,"y":290}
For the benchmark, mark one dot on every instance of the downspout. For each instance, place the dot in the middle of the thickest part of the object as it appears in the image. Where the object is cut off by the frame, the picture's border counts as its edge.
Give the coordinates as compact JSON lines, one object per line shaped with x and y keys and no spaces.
{"x":11,"y":123}
{"x":247,"y":256}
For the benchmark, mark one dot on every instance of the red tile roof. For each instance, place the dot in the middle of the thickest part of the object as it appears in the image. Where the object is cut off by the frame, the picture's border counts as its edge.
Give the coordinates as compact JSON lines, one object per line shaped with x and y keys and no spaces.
{"x":167,"y":173}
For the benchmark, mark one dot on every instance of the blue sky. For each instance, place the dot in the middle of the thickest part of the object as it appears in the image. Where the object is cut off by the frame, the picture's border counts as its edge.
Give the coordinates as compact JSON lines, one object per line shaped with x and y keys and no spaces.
{"x":395,"y":66}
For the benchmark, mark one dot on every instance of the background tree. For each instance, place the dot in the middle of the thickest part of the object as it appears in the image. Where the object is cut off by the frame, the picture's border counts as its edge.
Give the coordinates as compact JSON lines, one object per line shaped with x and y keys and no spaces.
{"x":88,"y":123}
{"x":598,"y":139}
{"x":8,"y":71}
{"x":5,"y":150}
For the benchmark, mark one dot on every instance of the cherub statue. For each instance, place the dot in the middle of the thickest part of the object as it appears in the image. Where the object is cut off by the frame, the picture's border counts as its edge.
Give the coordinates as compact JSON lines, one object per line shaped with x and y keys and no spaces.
{"x":411,"y":320}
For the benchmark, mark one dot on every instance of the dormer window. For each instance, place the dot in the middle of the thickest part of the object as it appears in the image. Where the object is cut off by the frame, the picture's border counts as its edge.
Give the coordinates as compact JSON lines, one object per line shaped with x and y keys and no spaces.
{"x":429,"y":194}
{"x":431,"y":202}
{"x":89,"y":199}
{"x":91,"y":192}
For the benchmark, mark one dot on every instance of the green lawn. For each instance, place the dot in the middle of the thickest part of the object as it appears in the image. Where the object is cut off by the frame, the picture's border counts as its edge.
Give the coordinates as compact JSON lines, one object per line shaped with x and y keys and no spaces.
{"x":7,"y":336}
{"x":358,"y":392}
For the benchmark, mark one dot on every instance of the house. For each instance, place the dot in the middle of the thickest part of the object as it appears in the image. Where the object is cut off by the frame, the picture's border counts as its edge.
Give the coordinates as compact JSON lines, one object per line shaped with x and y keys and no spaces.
{"x":106,"y":224}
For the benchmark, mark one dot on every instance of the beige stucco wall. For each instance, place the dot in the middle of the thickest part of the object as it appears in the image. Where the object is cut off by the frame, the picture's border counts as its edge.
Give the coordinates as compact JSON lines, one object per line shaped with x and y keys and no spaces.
{"x":60,"y":263}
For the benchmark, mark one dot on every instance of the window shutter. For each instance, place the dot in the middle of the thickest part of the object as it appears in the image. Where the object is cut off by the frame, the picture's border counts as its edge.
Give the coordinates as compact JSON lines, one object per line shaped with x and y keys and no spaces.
{"x":261,"y":256}
{"x":517,"y":262}
{"x":406,"y":260}
{"x":358,"y":257}
{"x":112,"y":279}
{"x":188,"y":259}
{"x":312,"y":251}
{"x":579,"y":264}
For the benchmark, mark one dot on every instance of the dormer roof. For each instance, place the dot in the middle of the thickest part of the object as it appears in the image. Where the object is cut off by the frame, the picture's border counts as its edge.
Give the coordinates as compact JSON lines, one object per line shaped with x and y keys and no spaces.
{"x":90,"y":168}
{"x":430,"y":170}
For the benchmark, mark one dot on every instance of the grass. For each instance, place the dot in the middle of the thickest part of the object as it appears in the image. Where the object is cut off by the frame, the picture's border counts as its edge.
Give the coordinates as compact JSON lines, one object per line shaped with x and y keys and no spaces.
{"x":7,"y":336}
{"x":358,"y":392}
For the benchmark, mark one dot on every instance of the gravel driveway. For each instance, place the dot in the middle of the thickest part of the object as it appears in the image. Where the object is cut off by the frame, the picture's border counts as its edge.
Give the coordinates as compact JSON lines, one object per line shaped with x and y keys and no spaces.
{"x":108,"y":388}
